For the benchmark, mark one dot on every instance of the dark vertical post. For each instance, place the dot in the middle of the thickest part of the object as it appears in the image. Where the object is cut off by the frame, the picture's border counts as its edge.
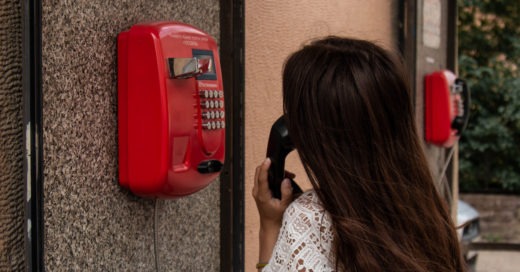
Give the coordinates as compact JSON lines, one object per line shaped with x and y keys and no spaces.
{"x":232,"y":178}
{"x":453,"y":43}
{"x":408,"y":39}
{"x":33,"y":152}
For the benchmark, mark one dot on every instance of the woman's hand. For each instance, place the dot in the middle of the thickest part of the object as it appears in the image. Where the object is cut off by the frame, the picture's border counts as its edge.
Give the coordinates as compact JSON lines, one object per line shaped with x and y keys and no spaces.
{"x":271,"y":209}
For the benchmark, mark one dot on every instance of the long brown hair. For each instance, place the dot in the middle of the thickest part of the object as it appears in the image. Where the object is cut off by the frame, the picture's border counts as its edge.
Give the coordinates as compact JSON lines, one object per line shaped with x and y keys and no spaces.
{"x":349,"y":111}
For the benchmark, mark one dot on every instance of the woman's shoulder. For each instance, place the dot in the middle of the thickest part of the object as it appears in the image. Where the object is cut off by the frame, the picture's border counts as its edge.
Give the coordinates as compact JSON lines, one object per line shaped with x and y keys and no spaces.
{"x":308,"y":200}
{"x":307,"y":205}
{"x":306,"y":236}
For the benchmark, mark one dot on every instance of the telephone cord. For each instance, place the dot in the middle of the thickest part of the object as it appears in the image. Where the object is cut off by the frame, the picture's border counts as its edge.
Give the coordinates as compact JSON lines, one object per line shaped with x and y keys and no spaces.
{"x":446,"y":164}
{"x":155,"y":231}
{"x":443,"y":184}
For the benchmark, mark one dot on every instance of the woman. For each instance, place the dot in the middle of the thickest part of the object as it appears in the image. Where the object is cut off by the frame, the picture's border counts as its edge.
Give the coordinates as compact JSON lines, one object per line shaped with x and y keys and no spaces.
{"x":374,"y":206}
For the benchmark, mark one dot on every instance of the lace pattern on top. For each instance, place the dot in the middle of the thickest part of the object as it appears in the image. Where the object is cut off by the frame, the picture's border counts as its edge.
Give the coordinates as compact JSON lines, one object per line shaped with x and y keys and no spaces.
{"x":305,"y":239}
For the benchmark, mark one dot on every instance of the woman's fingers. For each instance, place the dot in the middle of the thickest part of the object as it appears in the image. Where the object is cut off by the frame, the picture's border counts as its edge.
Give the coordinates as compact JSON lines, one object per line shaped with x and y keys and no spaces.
{"x":262,"y":175}
{"x":289,"y":175}
{"x":263,"y":185}
{"x":255,"y":186}
{"x":261,"y":188}
{"x":287,"y":192}
{"x":271,"y":209}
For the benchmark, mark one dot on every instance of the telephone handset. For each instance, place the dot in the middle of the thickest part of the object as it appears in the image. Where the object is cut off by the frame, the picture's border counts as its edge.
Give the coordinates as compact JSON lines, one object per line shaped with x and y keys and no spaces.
{"x":278,"y":147}
{"x":462,"y":116}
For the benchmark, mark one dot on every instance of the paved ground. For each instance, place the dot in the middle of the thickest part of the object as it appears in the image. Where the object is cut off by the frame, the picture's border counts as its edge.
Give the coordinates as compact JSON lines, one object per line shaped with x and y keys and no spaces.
{"x":498,"y":261}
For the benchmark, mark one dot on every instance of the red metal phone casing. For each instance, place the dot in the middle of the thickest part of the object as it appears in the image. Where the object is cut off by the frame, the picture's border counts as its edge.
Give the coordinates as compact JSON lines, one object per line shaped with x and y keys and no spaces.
{"x":437,"y":116}
{"x":161,"y":138}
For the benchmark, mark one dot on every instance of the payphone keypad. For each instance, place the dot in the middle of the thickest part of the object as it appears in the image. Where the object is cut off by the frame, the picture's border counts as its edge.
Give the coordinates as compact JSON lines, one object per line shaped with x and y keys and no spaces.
{"x":212,"y":109}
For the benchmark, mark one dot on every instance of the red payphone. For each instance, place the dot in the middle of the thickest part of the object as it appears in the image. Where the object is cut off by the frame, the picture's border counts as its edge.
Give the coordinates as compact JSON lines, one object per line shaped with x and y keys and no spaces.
{"x":446,"y":108}
{"x":171,"y":116}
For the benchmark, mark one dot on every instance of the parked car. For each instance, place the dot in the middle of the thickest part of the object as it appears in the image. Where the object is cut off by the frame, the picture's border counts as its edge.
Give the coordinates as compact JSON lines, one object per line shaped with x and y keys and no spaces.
{"x":468,"y":222}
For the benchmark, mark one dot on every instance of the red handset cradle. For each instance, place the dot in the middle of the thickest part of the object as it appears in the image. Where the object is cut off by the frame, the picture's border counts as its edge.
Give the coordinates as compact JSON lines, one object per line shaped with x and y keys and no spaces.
{"x":446,"y":108}
{"x":170,"y":110}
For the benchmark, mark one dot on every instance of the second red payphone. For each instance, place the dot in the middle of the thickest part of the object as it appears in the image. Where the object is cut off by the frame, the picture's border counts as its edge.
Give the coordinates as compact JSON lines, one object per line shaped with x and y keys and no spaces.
{"x":446,"y":107}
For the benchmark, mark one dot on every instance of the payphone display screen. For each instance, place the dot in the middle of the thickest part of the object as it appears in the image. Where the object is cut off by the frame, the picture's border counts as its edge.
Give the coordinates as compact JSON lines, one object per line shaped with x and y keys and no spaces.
{"x":212,"y":73}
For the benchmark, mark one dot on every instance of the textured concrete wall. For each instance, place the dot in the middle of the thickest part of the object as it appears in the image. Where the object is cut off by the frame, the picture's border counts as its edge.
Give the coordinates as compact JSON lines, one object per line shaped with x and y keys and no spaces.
{"x":274,"y":29}
{"x":91,"y":224}
{"x":11,"y":138}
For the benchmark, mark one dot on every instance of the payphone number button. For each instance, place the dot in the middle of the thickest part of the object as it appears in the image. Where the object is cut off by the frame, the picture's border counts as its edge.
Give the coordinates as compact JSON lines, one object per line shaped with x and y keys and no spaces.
{"x":212,"y":103}
{"x":211,"y":93}
{"x":212,"y":125}
{"x":213,"y":114}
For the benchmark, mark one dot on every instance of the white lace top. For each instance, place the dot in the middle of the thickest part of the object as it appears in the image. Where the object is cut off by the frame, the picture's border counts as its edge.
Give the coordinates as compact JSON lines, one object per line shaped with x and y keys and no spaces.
{"x":305,"y":239}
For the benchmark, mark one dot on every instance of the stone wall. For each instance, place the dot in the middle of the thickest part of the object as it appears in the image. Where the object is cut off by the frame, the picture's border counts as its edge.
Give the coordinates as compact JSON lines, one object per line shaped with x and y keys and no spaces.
{"x":91,"y":223}
{"x":11,"y":138}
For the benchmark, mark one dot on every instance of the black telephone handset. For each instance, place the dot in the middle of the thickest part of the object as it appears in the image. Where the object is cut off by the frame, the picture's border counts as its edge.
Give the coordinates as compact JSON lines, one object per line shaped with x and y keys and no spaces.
{"x":461,"y":120}
{"x":278,"y":147}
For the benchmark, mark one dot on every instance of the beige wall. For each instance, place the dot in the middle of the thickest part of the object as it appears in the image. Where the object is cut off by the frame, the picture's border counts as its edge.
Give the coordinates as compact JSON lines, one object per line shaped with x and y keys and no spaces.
{"x":274,"y":29}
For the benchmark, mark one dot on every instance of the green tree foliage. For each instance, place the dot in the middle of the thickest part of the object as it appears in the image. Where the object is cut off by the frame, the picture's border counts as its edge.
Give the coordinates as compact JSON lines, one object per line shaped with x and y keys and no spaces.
{"x":489,"y":55}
